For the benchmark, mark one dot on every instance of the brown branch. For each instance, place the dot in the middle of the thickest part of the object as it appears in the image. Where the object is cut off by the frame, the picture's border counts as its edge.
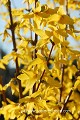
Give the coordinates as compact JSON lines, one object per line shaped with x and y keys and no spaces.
{"x":78,"y":117}
{"x":65,"y":102}
{"x":67,"y":13}
{"x":35,"y":56}
{"x":40,"y":80}
{"x":12,"y":27}
{"x":36,"y":2}
{"x":50,"y":52}
{"x":73,"y":116}
{"x":63,"y":108}
{"x":67,"y":8}
{"x":61,"y":89}
{"x":29,"y":9}
{"x":36,"y":36}
{"x":3,"y":91}
{"x":47,"y":64}
{"x":63,"y":66}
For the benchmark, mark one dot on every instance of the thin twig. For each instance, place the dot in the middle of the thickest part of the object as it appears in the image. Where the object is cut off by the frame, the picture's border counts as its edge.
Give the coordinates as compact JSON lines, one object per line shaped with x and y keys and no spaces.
{"x":73,"y":116}
{"x":50,"y":52}
{"x":61,"y":89}
{"x":29,"y":9}
{"x":35,"y":56}
{"x":3,"y":91}
{"x":78,"y":117}
{"x":65,"y":102}
{"x":14,"y":47}
{"x":40,"y":80}
{"x":67,"y":8}
{"x":63,"y":66}
{"x":29,"y":19}
{"x":36,"y":2}
{"x":47,"y":64}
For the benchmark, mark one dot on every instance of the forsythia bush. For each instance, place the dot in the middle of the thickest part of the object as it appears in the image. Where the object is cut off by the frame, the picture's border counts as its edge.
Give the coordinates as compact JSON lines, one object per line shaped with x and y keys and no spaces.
{"x":48,"y":84}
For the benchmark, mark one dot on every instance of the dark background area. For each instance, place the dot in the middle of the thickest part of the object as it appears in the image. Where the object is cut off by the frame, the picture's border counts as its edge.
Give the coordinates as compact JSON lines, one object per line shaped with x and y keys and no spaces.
{"x":6,"y":76}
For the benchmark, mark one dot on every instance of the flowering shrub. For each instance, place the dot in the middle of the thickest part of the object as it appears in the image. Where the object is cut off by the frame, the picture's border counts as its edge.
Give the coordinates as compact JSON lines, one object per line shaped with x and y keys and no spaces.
{"x":48,"y":85}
